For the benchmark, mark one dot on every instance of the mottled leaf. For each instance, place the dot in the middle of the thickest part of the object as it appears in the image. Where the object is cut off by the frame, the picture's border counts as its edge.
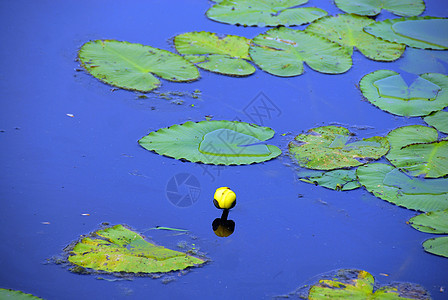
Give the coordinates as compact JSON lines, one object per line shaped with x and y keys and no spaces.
{"x":438,"y":120}
{"x":405,"y":8}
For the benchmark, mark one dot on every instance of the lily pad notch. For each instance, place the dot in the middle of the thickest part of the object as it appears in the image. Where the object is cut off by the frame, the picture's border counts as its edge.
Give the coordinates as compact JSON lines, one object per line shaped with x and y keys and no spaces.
{"x":133,"y":66}
{"x":119,"y":249}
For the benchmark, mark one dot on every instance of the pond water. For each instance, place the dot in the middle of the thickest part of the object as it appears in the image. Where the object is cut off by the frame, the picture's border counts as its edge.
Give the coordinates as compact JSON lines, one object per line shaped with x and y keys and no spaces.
{"x":57,"y":167}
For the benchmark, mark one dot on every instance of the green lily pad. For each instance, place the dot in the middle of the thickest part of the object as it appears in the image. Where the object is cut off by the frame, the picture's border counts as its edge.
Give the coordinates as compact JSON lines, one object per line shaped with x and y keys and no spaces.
{"x":438,"y":120}
{"x":416,"y":150}
{"x":282,"y":52}
{"x":225,"y":55}
{"x":326,"y":148}
{"x":437,"y":246}
{"x":263,"y":13}
{"x":347,"y":30}
{"x":389,"y":92}
{"x":213,"y":142}
{"x":417,"y":32}
{"x":390,"y":184}
{"x":431,"y":222}
{"x":339,"y":180}
{"x":118,"y":249}
{"x":16,"y":295}
{"x":131,"y":66}
{"x":405,"y":8}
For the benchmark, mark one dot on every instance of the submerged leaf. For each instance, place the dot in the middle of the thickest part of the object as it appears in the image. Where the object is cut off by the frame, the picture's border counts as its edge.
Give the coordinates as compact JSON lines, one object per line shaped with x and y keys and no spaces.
{"x":118,"y":249}
{"x":213,"y":142}
{"x":263,"y":13}
{"x":405,"y":8}
{"x":415,"y":149}
{"x":326,"y":148}
{"x":282,"y":52}
{"x":388,"y":183}
{"x":340,"y":180}
{"x":388,"y":91}
{"x":431,"y":222}
{"x":418,"y":32}
{"x":419,"y":61}
{"x":438,"y":120}
{"x":347,"y":30}
{"x":226,"y":55}
{"x":131,"y":66}
{"x":437,"y":246}
{"x":16,"y":295}
{"x":359,"y":284}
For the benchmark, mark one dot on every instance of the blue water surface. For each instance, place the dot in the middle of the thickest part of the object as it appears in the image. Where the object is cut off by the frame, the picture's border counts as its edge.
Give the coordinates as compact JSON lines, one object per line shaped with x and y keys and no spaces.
{"x":57,"y":167}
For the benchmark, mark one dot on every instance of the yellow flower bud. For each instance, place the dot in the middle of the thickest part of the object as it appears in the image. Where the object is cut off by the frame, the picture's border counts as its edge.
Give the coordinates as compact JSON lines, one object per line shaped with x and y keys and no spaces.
{"x":224,"y":198}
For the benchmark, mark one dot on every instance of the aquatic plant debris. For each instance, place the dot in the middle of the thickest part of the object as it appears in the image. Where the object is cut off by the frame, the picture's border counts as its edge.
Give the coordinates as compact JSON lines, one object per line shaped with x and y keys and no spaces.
{"x":389,"y":183}
{"x":347,"y":30}
{"x":263,"y":13}
{"x":404,"y":8}
{"x":433,"y":222}
{"x":339,"y":180}
{"x":359,"y":284}
{"x":329,"y":147}
{"x":131,"y":66}
{"x":416,"y":150}
{"x":388,"y":91}
{"x":119,"y":249}
{"x":417,"y":32}
{"x":438,"y":120}
{"x":227,"y":55}
{"x":283,"y":51}
{"x":213,"y":142}
{"x":16,"y":295}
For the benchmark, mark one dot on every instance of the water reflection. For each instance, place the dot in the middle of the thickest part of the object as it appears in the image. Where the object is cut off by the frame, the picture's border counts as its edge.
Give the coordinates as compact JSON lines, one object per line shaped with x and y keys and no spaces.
{"x":223,"y":227}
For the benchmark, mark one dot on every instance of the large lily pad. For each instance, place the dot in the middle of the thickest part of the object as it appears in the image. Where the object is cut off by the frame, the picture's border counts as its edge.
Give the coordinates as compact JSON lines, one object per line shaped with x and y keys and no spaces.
{"x":390,"y":184}
{"x":417,"y":32}
{"x":282,"y":52}
{"x":224,"y":55}
{"x":405,"y":8}
{"x":213,"y":142}
{"x":415,"y":149}
{"x":388,"y":91}
{"x":345,"y":286}
{"x":131,"y":66}
{"x":327,"y":148}
{"x":118,"y":249}
{"x":16,"y":295}
{"x":339,"y":180}
{"x":437,"y":246}
{"x":438,"y":120}
{"x":264,"y":12}
{"x":347,"y":30}
{"x":431,"y":222}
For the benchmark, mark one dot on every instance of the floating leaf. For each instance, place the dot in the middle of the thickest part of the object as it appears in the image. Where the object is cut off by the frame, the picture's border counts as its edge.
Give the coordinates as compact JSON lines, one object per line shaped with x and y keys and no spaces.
{"x":388,"y":91}
{"x":118,"y":249}
{"x":437,"y":246}
{"x":439,"y":120}
{"x":415,"y":149}
{"x":282,"y":52}
{"x":340,"y":180}
{"x":264,"y":12}
{"x":213,"y":142}
{"x":16,"y":295}
{"x":129,"y":66}
{"x":431,"y":222}
{"x":344,"y":286}
{"x":326,"y":148}
{"x":388,"y":183}
{"x":418,"y":61}
{"x":226,"y":55}
{"x":405,"y":8}
{"x":417,"y":32}
{"x":347,"y":30}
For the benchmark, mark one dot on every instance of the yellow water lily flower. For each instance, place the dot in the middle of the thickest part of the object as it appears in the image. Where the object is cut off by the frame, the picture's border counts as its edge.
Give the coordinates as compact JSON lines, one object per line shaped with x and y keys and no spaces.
{"x":224,"y":198}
